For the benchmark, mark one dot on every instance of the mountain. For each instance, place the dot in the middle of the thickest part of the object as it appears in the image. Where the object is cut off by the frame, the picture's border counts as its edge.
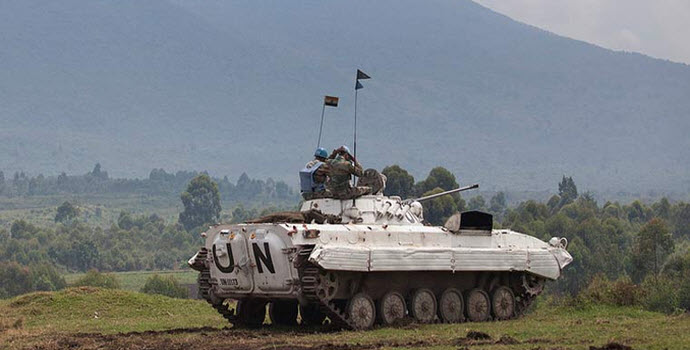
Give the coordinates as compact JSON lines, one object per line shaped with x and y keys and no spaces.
{"x":234,"y":87}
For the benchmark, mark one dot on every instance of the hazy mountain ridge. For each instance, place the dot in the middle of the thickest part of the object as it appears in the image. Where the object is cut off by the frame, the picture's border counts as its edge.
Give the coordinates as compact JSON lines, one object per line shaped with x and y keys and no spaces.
{"x":233,"y":87}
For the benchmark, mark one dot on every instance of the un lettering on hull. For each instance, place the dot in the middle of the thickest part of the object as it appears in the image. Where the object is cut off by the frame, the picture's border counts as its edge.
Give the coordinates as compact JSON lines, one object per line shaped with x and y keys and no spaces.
{"x":252,"y":262}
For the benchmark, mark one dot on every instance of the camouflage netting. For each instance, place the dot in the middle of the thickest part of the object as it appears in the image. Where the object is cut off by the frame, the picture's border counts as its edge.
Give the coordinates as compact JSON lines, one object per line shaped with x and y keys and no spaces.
{"x":296,"y":217}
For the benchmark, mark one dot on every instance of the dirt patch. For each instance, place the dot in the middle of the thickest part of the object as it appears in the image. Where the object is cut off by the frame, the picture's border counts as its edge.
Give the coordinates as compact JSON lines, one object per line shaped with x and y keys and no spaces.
{"x":611,"y":346}
{"x":507,"y":340}
{"x":212,"y":338}
{"x":474,"y":338}
{"x":476,"y":335}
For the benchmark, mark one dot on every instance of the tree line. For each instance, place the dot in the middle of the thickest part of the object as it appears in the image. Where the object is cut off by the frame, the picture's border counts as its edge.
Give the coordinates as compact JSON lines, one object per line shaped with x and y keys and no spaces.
{"x":639,"y":246}
{"x":159,"y":182}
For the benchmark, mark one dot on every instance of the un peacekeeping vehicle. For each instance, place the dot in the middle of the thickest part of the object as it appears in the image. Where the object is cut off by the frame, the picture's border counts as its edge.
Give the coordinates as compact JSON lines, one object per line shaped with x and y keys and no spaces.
{"x":372,"y":260}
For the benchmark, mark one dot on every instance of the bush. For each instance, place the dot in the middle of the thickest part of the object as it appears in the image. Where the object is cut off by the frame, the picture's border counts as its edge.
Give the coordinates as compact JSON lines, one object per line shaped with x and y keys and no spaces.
{"x":168,"y":286}
{"x":626,"y":293}
{"x":16,"y":279}
{"x":622,"y":292}
{"x":46,"y":278}
{"x":598,"y":291}
{"x":94,"y":278}
{"x":660,"y":295}
{"x":684,"y":292}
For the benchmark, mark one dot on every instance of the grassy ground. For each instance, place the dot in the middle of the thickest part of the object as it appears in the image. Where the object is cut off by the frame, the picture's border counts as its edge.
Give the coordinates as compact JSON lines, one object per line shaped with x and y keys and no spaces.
{"x":135,"y":280}
{"x":90,"y":318}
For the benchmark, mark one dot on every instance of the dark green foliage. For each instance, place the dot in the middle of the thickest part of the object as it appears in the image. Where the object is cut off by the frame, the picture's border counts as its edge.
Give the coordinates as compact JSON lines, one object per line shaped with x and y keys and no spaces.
{"x":567,"y":190}
{"x":498,"y":204}
{"x":476,"y":203}
{"x":168,"y":286}
{"x":398,"y":182}
{"x":652,"y":246}
{"x":439,"y":177}
{"x":148,"y":244}
{"x":438,"y":210}
{"x":661,"y":294}
{"x":680,"y":217}
{"x":21,"y":229}
{"x":46,"y":278}
{"x":17,"y":279}
{"x":241,"y":214}
{"x":93,"y":278}
{"x":622,"y":292}
{"x":66,"y":212}
{"x":201,"y":203}
{"x":684,"y":292}
{"x":14,"y":279}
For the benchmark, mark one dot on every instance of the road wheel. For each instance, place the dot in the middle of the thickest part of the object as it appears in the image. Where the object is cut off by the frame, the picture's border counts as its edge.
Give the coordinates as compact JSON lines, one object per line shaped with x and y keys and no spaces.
{"x":283,"y":312}
{"x":478,"y":307}
{"x":423,"y":306}
{"x":328,"y":285}
{"x":451,"y":306}
{"x":251,"y":313}
{"x":392,"y":308}
{"x":311,"y":315}
{"x":361,"y":311}
{"x":503,"y":303}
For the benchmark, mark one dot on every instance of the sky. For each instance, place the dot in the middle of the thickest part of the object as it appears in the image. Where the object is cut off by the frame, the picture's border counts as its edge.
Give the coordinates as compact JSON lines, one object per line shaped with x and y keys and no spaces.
{"x":657,"y":28}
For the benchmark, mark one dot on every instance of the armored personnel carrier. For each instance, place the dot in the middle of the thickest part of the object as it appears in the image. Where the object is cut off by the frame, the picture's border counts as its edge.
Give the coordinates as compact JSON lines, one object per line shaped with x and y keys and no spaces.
{"x":372,"y":260}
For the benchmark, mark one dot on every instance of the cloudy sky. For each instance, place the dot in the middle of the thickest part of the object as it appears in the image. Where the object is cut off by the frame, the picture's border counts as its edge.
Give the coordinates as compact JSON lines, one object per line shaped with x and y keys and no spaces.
{"x":658,"y":28}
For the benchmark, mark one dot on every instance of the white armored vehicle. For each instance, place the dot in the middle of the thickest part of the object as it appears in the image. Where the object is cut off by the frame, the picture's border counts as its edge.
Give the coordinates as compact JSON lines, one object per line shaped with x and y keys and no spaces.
{"x":372,"y":260}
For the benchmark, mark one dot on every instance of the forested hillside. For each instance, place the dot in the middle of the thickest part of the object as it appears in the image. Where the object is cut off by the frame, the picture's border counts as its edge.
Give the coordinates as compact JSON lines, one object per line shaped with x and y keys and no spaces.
{"x":231,"y":87}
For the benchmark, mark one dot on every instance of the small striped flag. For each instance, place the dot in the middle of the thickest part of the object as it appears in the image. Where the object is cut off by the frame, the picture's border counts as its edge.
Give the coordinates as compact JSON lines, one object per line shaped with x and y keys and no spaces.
{"x":331,"y":101}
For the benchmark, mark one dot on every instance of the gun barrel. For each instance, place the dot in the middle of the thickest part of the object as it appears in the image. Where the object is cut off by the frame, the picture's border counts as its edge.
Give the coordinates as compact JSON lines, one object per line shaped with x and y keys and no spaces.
{"x":459,"y":189}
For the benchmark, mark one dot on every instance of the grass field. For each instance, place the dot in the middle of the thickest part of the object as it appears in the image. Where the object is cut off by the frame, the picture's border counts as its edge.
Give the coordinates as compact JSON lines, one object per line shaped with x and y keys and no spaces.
{"x":91,"y":318}
{"x":134,"y":280}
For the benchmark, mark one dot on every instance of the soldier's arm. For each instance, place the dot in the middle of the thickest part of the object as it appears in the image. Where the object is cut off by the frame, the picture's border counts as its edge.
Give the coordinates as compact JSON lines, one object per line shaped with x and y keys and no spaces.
{"x":356,"y":169}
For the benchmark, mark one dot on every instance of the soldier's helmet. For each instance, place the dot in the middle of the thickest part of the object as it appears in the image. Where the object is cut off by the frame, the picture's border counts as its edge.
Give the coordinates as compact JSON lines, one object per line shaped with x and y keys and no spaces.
{"x":321,"y":152}
{"x":346,"y":149}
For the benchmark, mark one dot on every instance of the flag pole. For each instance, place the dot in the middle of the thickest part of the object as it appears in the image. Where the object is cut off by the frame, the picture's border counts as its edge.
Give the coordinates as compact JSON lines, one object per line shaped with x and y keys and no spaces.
{"x":355,"y":137}
{"x":323,"y":110}
{"x":354,"y":181}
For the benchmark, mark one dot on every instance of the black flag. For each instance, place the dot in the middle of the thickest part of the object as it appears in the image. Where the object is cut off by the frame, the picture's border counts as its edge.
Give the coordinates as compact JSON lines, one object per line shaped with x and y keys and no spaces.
{"x":360,"y":75}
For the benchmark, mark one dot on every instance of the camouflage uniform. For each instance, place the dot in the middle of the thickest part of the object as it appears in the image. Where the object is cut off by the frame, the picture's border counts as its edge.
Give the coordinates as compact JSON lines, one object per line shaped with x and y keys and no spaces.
{"x":340,"y":173}
{"x":320,"y":176}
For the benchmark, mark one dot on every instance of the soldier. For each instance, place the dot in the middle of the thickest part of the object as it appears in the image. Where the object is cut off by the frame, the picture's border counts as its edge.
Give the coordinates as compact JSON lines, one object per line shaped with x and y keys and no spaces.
{"x":342,"y":165}
{"x":314,"y":176}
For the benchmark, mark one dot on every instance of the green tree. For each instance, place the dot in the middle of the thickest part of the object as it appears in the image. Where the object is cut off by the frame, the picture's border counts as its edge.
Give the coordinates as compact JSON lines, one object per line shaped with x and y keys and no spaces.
{"x":21,"y":229}
{"x":66,"y":212}
{"x":653,"y":243}
{"x":439,"y":177}
{"x":498,"y":203}
{"x":438,"y":210}
{"x":476,"y":203}
{"x":46,"y":278}
{"x":398,"y":182}
{"x":201,"y":203}
{"x":567,"y":190}
{"x":681,"y":219}
{"x":14,"y":279}
{"x":662,"y":208}
{"x":168,"y":286}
